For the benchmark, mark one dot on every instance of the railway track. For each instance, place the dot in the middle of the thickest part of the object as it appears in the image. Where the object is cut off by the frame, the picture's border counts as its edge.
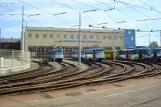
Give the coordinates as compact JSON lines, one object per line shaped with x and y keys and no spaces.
{"x":71,"y":76}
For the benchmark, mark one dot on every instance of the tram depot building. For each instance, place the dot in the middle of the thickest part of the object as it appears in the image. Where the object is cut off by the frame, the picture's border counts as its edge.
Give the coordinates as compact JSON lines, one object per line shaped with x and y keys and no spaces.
{"x":40,"y":40}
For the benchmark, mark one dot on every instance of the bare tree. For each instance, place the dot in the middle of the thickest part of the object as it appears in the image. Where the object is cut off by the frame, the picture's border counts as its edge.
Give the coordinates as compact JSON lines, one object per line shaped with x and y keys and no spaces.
{"x":153,"y":44}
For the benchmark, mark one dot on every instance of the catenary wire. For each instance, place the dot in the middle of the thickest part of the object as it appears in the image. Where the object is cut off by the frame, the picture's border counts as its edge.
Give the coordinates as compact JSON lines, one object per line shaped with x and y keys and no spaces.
{"x":44,"y":11}
{"x":20,"y":13}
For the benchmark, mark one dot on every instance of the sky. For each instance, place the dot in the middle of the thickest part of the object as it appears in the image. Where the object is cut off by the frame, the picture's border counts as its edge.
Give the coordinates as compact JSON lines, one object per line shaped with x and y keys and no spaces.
{"x":125,"y":14}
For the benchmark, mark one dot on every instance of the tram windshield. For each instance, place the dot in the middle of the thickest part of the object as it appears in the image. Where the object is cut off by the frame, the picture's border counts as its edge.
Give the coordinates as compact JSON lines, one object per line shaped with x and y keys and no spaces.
{"x":133,"y":51}
{"x":148,"y":51}
{"x":89,"y":52}
{"x":100,"y":52}
{"x":121,"y":52}
{"x":59,"y":52}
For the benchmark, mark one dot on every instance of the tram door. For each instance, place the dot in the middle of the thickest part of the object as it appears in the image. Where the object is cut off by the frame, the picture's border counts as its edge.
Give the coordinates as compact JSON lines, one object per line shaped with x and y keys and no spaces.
{"x":85,"y":55}
{"x":112,"y":54}
{"x":127,"y":55}
{"x":140,"y":55}
{"x":155,"y":54}
{"x":94,"y":55}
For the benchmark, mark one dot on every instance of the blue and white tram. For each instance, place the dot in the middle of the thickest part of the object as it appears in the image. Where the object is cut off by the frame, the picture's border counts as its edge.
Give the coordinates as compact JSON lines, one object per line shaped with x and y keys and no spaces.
{"x":57,"y":54}
{"x":128,"y":54}
{"x":135,"y":54}
{"x":83,"y":54}
{"x":95,"y":54}
{"x":155,"y":53}
{"x":75,"y":54}
{"x":143,"y":53}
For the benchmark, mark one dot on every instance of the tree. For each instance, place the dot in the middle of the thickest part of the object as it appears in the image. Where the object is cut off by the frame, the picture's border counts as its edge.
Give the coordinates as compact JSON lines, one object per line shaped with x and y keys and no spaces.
{"x":153,"y":44}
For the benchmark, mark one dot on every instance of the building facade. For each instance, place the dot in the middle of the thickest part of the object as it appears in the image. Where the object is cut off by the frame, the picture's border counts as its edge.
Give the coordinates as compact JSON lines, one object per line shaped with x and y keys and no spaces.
{"x":129,"y":38}
{"x":40,"y":40}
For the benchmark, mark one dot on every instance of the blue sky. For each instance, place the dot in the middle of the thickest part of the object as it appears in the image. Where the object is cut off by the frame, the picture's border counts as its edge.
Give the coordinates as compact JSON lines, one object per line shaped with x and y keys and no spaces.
{"x":130,"y":11}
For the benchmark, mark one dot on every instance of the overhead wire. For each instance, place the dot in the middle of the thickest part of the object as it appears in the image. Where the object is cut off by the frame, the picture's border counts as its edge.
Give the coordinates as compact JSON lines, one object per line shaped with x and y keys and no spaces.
{"x":84,"y":12}
{"x":131,"y":7}
{"x":115,"y":9}
{"x":72,"y":9}
{"x":142,"y":7}
{"x":43,"y":11}
{"x":94,"y":8}
{"x":145,"y":3}
{"x":20,"y":13}
{"x":65,"y":5}
{"x":111,"y":8}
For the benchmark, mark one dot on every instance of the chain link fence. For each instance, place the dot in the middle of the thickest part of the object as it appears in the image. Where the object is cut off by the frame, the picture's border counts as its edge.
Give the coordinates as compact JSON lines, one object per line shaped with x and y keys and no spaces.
{"x":14,"y":60}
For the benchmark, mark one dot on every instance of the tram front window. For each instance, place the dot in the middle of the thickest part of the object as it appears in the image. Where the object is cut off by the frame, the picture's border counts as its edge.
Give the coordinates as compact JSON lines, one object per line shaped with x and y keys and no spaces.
{"x":122,"y":52}
{"x":147,"y":52}
{"x":100,"y":52}
{"x":59,"y":52}
{"x":133,"y":52}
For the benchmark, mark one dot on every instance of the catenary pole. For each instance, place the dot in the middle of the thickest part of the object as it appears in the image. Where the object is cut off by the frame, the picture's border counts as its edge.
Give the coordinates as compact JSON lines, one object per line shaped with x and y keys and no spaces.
{"x":79,"y":38}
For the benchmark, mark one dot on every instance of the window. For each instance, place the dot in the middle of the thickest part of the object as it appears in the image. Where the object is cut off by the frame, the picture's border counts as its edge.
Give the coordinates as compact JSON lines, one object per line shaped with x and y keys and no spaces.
{"x":29,"y":35}
{"x":58,"y":35}
{"x":115,"y":37}
{"x":109,"y":37}
{"x":117,"y":48}
{"x":77,"y":36}
{"x":97,"y":37}
{"x":37,"y":35}
{"x":132,"y":38}
{"x":84,"y":37}
{"x":71,"y":37}
{"x":121,"y":37}
{"x":65,"y":36}
{"x":91,"y":37}
{"x":129,"y":32}
{"x":51,"y":36}
{"x":103,"y":37}
{"x":44,"y":35}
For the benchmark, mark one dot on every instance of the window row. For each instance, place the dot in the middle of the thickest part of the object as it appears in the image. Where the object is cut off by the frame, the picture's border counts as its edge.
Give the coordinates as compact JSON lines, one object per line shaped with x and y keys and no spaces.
{"x":129,"y":38}
{"x":84,"y":37}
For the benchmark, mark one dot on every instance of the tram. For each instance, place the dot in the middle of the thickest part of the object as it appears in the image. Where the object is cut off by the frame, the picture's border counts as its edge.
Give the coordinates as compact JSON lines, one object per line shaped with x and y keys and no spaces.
{"x":155,"y":53}
{"x":83,"y":54}
{"x":127,"y":54}
{"x":135,"y":54}
{"x":94,"y":54}
{"x":110,"y":53}
{"x":143,"y":53}
{"x":56,"y":54}
{"x":75,"y":54}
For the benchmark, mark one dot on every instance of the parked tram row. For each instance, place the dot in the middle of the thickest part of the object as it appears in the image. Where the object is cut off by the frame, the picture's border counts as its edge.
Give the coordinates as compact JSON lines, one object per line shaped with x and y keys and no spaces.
{"x":99,"y":54}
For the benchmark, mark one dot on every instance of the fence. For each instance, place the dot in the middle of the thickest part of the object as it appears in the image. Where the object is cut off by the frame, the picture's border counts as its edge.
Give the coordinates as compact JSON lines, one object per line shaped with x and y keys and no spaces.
{"x":14,"y":60}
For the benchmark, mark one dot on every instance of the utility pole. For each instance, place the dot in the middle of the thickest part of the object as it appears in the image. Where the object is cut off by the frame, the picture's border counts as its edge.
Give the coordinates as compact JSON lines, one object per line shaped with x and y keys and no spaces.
{"x":0,"y":39}
{"x":160,"y":38}
{"x":26,"y":37}
{"x":113,"y":44}
{"x":22,"y":35}
{"x":79,"y":38}
{"x":149,"y":40}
